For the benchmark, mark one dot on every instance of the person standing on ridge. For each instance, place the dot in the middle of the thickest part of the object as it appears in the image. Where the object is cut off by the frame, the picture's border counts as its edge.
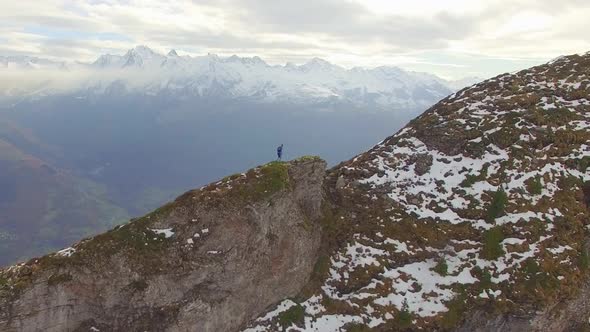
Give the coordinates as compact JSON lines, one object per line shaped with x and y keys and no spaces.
{"x":280,"y":151}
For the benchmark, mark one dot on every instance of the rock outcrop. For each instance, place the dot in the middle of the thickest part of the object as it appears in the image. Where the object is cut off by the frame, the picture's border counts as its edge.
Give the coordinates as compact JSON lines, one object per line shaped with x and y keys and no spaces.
{"x":209,"y":261}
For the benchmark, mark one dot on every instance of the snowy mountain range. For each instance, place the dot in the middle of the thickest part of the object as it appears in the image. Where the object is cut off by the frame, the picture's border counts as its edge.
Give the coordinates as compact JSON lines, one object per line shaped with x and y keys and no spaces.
{"x":145,"y":72}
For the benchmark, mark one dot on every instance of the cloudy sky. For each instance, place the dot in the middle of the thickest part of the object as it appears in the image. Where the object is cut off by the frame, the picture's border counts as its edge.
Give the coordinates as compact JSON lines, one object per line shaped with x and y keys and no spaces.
{"x":451,"y":38}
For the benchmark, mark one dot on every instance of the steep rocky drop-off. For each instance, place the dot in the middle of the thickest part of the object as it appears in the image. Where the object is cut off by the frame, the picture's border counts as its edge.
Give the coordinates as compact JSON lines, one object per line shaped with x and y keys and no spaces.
{"x":209,"y":261}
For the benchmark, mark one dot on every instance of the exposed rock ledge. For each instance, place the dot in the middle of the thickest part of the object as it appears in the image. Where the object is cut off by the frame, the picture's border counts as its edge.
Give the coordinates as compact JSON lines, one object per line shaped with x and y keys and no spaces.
{"x":211,"y":260}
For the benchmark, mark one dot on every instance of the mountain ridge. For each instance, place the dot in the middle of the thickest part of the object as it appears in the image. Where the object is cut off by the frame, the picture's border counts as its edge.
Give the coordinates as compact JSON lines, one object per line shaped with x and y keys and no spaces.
{"x":314,"y":82}
{"x":474,"y":216}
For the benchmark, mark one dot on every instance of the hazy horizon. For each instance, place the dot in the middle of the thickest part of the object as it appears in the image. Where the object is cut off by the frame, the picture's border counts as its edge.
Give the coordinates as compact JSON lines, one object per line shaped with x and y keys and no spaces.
{"x":452,"y":39}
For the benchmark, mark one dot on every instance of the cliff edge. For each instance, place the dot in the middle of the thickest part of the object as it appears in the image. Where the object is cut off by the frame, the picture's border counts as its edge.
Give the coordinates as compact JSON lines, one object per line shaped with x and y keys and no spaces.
{"x":210,"y":261}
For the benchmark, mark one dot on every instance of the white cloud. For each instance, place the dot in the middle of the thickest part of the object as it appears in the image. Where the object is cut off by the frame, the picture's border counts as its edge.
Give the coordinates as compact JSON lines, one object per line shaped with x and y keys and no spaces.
{"x":360,"y":32}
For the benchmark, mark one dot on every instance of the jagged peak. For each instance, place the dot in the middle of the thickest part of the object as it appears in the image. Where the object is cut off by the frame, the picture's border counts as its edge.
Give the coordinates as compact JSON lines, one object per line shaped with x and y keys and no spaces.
{"x":255,"y":60}
{"x":142,"y":50}
{"x":258,"y":60}
{"x":319,"y":64}
{"x":233,"y":58}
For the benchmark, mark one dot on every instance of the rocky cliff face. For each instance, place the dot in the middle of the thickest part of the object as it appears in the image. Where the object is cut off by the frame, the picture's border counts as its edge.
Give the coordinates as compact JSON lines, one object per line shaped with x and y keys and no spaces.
{"x":209,"y":261}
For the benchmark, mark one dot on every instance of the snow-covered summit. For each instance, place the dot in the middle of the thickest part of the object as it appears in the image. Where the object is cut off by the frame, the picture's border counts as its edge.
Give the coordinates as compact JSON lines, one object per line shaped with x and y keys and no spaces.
{"x":139,"y":56}
{"x":145,"y":71}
